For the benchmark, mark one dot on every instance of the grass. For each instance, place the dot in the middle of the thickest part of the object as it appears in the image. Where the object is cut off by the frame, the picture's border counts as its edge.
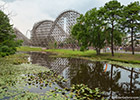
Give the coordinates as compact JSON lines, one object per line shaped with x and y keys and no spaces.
{"x":90,"y":54}
{"x":71,"y":53}
{"x":120,"y":57}
{"x":26,"y":49}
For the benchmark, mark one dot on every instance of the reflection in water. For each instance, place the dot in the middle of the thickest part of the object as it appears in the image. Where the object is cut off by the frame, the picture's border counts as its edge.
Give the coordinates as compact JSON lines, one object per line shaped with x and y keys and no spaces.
{"x":115,"y":81}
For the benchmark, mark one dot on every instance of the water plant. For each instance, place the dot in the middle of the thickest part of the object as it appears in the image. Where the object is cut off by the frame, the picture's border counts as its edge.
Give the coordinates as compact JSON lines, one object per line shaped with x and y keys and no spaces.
{"x":16,"y":75}
{"x":50,"y":78}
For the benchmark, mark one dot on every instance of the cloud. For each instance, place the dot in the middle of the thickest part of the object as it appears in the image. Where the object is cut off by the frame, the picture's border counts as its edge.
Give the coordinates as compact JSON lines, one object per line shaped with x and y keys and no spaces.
{"x":28,"y":12}
{"x":9,"y":0}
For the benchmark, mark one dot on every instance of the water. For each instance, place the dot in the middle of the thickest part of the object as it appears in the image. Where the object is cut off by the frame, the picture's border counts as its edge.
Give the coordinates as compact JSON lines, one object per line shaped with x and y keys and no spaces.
{"x":115,"y":81}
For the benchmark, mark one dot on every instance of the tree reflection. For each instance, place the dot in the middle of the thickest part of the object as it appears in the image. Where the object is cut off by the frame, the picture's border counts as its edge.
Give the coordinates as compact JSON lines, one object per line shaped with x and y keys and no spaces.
{"x":82,"y":73}
{"x":131,"y":88}
{"x":93,"y":75}
{"x":79,"y":71}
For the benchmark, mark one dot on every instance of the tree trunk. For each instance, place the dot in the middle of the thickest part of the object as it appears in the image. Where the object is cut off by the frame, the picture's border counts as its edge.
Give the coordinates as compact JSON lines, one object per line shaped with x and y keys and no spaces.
{"x":111,"y":82}
{"x":131,"y":79}
{"x":132,"y":42}
{"x":73,"y":47}
{"x":112,"y":37}
{"x":98,"y":51}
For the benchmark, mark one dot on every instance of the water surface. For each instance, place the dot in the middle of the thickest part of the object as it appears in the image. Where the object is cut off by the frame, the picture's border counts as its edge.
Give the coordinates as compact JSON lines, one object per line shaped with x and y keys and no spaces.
{"x":115,"y":81}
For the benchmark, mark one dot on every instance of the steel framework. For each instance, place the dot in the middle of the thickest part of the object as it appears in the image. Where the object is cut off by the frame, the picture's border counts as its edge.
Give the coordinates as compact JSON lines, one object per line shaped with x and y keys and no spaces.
{"x":47,"y":31}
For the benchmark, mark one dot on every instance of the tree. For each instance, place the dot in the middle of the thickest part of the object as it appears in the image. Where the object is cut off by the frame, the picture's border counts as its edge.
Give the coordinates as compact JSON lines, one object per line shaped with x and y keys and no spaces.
{"x":8,"y":43}
{"x":112,"y":14}
{"x":71,"y":40}
{"x":118,"y":36}
{"x":131,"y":21}
{"x":89,"y":30}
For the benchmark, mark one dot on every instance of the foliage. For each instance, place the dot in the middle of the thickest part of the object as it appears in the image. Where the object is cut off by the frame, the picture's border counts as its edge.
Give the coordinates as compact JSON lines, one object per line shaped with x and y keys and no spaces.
{"x":49,"y":78}
{"x":80,"y":92}
{"x":112,"y":14}
{"x":44,"y":79}
{"x":52,"y":45}
{"x":131,"y":21}
{"x":55,"y":45}
{"x":14,"y":59}
{"x":118,"y":37}
{"x":100,"y":27}
{"x":7,"y":43}
{"x":89,"y":30}
{"x":11,"y":74}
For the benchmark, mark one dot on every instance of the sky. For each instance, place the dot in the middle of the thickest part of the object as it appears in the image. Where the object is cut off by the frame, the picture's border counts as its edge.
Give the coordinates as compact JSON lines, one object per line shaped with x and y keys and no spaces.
{"x":24,"y":13}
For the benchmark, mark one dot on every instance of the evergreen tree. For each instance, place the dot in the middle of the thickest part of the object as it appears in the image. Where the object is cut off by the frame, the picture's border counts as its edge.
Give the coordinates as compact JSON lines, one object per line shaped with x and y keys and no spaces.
{"x":112,"y":14}
{"x":7,"y":38}
{"x":131,"y":21}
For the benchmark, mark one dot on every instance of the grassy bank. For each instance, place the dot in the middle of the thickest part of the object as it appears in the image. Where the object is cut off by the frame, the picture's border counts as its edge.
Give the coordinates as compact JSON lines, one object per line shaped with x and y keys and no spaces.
{"x":25,"y":48}
{"x":91,"y":54}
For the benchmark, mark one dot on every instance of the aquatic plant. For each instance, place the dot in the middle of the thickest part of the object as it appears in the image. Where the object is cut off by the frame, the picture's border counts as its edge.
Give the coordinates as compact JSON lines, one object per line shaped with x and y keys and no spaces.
{"x":14,"y":76}
{"x":80,"y":92}
{"x":47,"y":78}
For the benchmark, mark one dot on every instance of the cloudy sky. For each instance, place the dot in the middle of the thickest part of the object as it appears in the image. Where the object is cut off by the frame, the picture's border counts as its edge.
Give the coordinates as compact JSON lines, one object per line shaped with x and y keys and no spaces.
{"x":24,"y":13}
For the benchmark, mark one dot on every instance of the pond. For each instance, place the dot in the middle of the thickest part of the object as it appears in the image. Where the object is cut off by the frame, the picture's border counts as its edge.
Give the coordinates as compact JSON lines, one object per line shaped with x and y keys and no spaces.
{"x":114,"y":81}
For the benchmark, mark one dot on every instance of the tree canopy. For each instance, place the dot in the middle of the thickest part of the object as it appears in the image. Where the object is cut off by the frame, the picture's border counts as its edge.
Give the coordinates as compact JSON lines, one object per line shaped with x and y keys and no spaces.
{"x":89,"y":30}
{"x":8,"y":43}
{"x":112,"y":14}
{"x":131,"y":20}
{"x":107,"y":25}
{"x":93,"y":30}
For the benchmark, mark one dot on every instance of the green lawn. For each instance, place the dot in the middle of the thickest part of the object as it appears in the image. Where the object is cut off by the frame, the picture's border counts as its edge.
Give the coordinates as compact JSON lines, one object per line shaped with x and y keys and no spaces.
{"x":121,"y":57}
{"x":26,"y":48}
{"x":90,"y":54}
{"x":71,"y":53}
